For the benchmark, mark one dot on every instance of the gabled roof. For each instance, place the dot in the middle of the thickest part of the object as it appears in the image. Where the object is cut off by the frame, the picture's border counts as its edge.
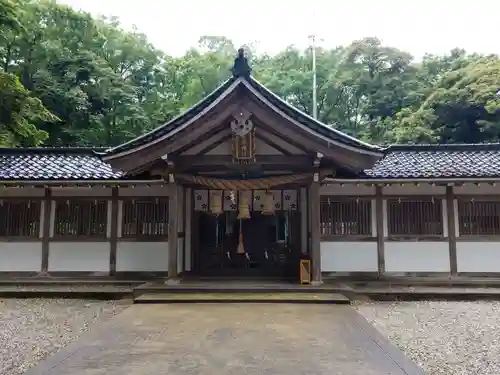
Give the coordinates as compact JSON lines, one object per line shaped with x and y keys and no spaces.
{"x":234,"y":83}
{"x":405,"y":162}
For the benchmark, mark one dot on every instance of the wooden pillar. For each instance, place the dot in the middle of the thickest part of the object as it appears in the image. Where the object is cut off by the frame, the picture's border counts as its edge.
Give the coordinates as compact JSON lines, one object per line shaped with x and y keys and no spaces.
{"x":187,"y":229}
{"x":314,"y":204}
{"x":47,"y":223}
{"x":113,"y":236}
{"x":181,"y":206}
{"x":452,"y":235}
{"x":379,"y":216}
{"x":303,"y":220}
{"x":173,"y":203}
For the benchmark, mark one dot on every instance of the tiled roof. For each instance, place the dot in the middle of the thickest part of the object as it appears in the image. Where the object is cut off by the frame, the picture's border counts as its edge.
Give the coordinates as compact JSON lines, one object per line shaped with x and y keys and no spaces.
{"x":438,"y":161}
{"x":54,"y":164}
{"x":399,"y":162}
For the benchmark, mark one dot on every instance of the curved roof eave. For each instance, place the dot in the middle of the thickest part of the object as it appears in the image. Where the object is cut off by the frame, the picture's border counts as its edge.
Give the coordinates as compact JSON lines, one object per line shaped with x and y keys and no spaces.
{"x":312,"y":120}
{"x":171,"y":127}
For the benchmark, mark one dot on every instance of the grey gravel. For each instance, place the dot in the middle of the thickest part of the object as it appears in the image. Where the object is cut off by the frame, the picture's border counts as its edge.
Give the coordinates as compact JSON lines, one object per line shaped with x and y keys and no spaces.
{"x":443,"y":338}
{"x":32,"y":329}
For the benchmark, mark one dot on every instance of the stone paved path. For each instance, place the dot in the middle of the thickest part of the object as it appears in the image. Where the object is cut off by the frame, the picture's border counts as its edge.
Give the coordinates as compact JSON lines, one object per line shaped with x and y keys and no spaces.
{"x":232,"y":339}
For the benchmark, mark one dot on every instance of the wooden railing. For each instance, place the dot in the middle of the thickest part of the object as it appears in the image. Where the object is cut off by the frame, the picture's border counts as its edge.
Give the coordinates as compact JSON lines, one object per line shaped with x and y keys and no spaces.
{"x":145,"y":218}
{"x":346,"y":217}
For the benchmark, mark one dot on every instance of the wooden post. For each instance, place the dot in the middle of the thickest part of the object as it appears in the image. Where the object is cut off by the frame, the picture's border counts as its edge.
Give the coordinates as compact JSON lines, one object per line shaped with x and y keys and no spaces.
{"x":303,"y":220}
{"x":379,"y":215}
{"x":452,"y":237}
{"x":172,"y":233}
{"x":113,"y":238}
{"x":187,"y":229}
{"x":47,"y":223}
{"x":181,"y":206}
{"x":314,"y":204}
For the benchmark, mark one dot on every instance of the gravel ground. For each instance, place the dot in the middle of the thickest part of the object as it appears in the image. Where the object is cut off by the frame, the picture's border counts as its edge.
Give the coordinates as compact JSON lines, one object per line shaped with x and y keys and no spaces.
{"x":444,"y":338}
{"x":32,"y":329}
{"x":75,"y":287}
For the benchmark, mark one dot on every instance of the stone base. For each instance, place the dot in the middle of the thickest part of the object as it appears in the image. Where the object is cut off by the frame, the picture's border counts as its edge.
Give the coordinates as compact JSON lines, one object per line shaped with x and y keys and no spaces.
{"x":317,"y":283}
{"x":173,"y":281}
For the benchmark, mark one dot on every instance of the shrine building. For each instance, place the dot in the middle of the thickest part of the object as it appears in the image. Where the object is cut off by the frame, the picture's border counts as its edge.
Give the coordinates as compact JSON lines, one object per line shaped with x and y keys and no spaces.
{"x":245,"y":185}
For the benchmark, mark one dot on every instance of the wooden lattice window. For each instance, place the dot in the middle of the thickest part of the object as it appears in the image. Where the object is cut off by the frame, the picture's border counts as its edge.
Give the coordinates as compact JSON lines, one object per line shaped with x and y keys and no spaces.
{"x":415,"y":217}
{"x":346,"y":217}
{"x":145,"y":218}
{"x":20,"y":218}
{"x":478,"y":218}
{"x":81,"y":218}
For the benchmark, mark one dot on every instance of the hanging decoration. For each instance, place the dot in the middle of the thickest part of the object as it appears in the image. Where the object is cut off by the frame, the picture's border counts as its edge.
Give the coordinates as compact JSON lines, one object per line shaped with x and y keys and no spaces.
{"x":243,"y":137}
{"x":216,"y":202}
{"x":268,"y":204}
{"x":289,"y":200}
{"x":241,"y":247}
{"x":243,"y":206}
{"x":250,"y":184}
{"x":201,"y":200}
{"x":229,"y":200}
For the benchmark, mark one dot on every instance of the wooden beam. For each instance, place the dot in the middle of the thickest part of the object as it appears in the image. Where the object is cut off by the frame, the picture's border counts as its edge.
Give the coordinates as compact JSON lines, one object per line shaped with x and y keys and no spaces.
{"x":346,"y":158}
{"x":113,"y":239}
{"x":216,"y":137}
{"x":379,"y":217}
{"x":268,"y":132}
{"x":452,"y":238}
{"x":185,"y":161}
{"x":178,"y":141}
{"x":259,"y":135}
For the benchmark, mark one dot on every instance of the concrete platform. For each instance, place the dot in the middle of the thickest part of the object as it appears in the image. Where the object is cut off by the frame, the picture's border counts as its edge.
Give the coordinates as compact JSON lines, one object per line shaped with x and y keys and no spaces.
{"x":228,"y":339}
{"x":234,"y":297}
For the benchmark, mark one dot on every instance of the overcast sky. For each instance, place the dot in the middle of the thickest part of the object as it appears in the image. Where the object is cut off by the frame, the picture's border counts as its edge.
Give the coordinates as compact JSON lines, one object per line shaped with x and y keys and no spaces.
{"x":419,"y":26}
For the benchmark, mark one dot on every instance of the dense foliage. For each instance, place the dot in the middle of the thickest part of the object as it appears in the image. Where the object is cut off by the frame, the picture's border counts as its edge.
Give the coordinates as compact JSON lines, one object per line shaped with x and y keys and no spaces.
{"x":69,"y":79}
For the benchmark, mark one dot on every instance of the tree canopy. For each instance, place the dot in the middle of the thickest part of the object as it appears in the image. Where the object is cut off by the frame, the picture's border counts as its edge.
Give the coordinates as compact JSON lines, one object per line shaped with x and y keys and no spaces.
{"x":68,"y":79}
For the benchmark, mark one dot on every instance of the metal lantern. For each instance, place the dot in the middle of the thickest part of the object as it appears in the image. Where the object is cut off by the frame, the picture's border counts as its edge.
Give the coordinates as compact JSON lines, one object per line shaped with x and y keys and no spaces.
{"x":216,"y":202}
{"x":268,"y":204}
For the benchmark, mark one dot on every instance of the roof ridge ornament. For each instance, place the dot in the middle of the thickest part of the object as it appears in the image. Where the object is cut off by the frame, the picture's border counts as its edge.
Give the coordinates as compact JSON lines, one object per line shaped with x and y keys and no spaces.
{"x":241,"y":67}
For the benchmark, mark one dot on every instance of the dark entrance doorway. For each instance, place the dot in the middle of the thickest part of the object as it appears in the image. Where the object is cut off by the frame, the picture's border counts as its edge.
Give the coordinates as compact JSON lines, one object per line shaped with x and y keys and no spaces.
{"x":269,"y":247}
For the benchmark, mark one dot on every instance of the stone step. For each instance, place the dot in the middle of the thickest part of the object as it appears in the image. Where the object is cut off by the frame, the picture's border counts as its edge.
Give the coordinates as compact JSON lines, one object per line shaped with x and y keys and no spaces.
{"x":227,"y":297}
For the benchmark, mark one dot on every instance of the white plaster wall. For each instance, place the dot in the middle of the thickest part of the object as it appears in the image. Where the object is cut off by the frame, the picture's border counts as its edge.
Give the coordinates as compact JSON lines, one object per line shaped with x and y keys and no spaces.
{"x":349,"y":257}
{"x":79,"y":256}
{"x":417,"y":256}
{"x":477,"y":256}
{"x":20,"y":256}
{"x":142,"y":256}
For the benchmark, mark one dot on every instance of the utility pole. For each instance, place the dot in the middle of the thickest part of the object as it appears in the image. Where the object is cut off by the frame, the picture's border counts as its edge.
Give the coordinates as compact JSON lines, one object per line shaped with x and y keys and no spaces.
{"x":314,"y":98}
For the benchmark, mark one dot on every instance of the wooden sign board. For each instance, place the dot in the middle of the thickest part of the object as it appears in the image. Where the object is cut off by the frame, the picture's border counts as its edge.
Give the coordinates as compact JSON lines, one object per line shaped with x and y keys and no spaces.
{"x":305,"y":271}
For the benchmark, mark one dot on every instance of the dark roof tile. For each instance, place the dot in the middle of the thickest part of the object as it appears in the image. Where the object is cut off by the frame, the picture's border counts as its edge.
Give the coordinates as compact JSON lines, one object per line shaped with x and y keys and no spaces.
{"x":399,"y":162}
{"x":54,"y":164}
{"x":438,"y":161}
